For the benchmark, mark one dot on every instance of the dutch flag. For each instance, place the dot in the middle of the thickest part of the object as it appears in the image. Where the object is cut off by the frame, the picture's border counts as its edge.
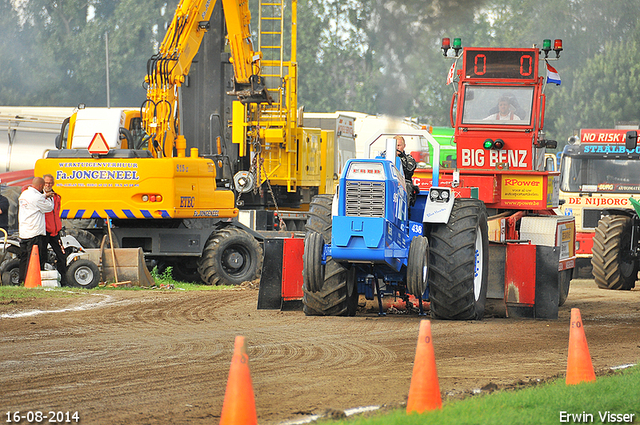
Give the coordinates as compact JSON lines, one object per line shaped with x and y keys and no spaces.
{"x":552,"y":75}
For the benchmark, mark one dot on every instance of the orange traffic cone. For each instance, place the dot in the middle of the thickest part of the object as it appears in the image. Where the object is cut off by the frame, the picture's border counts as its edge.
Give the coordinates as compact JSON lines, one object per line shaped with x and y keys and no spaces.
{"x":33,"y":278}
{"x":424,"y":392}
{"x":579,"y":366}
{"x":239,"y":406}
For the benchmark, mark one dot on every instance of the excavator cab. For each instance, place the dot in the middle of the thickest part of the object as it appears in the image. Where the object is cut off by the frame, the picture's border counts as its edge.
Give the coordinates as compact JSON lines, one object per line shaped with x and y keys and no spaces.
{"x":121,"y":128}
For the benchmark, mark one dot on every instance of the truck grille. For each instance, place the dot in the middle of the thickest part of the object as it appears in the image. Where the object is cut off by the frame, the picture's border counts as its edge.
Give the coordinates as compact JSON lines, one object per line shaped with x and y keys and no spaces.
{"x":365,"y":199}
{"x":590,"y":218}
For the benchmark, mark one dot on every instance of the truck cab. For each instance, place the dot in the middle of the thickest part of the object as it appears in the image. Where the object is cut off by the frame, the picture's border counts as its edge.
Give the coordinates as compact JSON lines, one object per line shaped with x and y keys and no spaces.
{"x":120,"y":127}
{"x":598,"y":175}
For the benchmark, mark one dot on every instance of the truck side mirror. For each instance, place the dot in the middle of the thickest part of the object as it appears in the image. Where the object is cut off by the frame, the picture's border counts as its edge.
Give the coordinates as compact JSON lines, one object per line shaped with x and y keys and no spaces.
{"x":549,"y":164}
{"x":631,"y":140}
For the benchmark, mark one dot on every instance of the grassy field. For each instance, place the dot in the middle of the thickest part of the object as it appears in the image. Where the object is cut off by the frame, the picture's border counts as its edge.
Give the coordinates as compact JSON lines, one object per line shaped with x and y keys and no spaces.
{"x":163,"y":281}
{"x":613,"y":398}
{"x":21,"y":293}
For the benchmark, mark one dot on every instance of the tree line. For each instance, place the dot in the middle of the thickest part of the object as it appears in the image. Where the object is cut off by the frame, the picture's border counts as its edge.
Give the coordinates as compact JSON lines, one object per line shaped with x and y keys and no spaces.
{"x":373,"y":56}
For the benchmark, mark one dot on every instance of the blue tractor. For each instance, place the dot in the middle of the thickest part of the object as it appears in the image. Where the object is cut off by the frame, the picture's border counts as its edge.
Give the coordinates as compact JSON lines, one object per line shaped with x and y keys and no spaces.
{"x":370,"y":239}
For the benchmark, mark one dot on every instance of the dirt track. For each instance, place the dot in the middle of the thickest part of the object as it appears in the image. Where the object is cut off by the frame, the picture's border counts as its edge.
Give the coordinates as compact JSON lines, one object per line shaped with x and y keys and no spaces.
{"x":145,"y":357}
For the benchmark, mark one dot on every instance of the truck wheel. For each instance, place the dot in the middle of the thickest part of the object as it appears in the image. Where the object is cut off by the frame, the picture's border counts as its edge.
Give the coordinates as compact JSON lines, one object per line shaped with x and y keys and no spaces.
{"x":418,"y":266}
{"x":10,"y":271}
{"x":185,"y":271}
{"x":336,"y":298}
{"x":230,"y":256}
{"x":83,"y":274}
{"x":564,"y":281}
{"x":313,"y":269}
{"x":613,"y":265}
{"x":458,"y":263}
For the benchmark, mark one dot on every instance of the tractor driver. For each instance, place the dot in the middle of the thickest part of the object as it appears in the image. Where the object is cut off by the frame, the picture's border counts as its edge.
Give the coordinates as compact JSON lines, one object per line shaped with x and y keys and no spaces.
{"x":505,"y":112}
{"x":408,"y":166}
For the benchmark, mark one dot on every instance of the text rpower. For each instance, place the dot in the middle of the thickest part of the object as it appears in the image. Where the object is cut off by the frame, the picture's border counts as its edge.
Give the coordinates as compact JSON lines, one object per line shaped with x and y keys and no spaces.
{"x":515,"y":158}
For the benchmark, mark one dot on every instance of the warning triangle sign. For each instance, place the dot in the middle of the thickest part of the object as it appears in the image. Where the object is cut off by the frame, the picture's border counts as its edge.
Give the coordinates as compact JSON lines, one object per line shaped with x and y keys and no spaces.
{"x":98,"y":145}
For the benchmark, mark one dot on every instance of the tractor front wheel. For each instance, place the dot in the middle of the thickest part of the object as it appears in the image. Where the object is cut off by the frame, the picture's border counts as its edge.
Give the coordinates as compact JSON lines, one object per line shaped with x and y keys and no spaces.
{"x":313,"y":269}
{"x":329,"y":290}
{"x":418,"y":266}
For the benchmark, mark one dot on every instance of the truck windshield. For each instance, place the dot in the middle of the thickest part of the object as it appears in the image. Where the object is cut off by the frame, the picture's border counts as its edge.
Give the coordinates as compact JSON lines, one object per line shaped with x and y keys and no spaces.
{"x":599,"y":175}
{"x":497,"y":105}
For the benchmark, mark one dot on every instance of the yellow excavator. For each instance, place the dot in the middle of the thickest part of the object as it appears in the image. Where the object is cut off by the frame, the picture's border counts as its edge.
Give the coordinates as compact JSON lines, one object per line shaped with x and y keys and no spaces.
{"x":135,"y":172}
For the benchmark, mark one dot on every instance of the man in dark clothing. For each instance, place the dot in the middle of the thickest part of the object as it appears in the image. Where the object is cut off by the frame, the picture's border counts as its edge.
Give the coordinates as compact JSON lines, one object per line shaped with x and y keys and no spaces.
{"x":408,"y":162}
{"x":53,"y":226}
{"x":408,"y":166}
{"x":4,"y":214}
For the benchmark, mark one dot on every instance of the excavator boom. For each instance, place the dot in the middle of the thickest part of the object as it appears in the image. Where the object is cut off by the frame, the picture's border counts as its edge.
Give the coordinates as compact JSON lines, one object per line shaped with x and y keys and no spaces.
{"x":167,"y":70}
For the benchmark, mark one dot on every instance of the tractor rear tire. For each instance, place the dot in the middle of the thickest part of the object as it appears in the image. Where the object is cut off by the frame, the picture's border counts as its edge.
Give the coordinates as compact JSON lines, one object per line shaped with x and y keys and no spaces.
{"x":613,"y":266}
{"x":418,"y":266}
{"x":231,"y":256}
{"x":337,"y":295}
{"x":334,"y":295}
{"x":320,"y":216}
{"x":458,"y":263}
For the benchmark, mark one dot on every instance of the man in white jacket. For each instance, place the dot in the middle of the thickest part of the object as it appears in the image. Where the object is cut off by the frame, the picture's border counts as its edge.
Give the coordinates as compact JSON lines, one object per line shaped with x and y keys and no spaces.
{"x":33,"y":205}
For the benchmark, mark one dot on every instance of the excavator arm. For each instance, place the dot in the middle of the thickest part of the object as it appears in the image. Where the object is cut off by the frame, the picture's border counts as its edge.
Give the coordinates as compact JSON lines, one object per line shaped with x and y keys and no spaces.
{"x":167,"y":70}
{"x":249,"y":85}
